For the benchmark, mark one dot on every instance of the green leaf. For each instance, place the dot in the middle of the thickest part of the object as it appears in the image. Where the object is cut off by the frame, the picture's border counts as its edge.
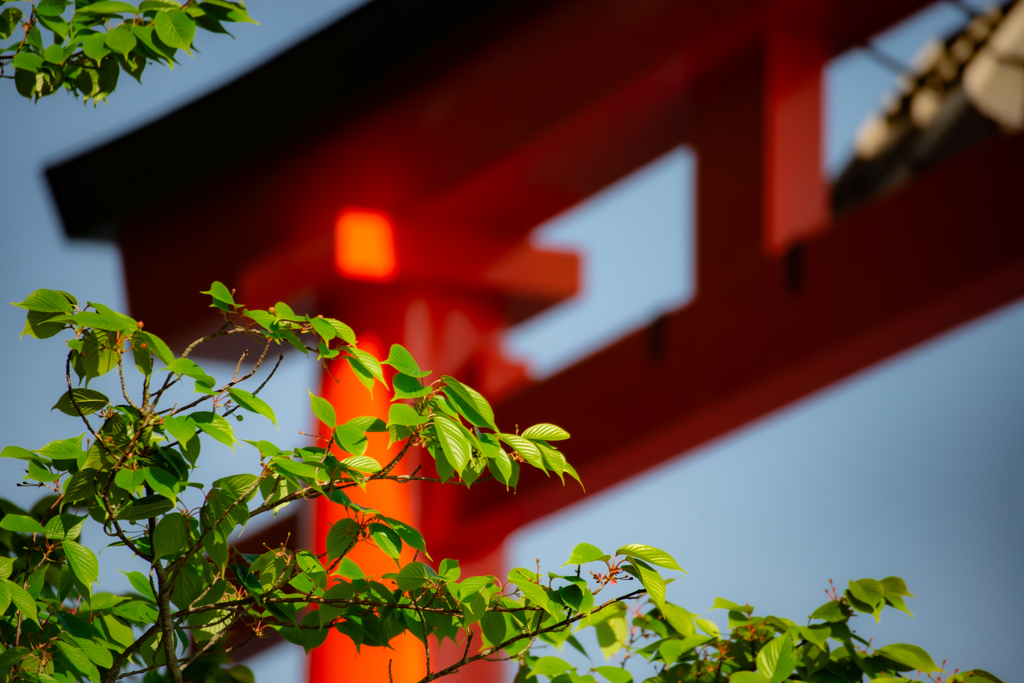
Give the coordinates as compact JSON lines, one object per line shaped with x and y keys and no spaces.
{"x":409,"y":535}
{"x":216,"y":426}
{"x":87,"y":400}
{"x":584,"y":552}
{"x":679,"y":619}
{"x":175,"y":28}
{"x":45,"y":300}
{"x":342,"y":330}
{"x":777,"y":659}
{"x":170,"y":538}
{"x":9,"y":21}
{"x":143,"y":360}
{"x":157,"y":347}
{"x":181,"y":428}
{"x":83,"y":562}
{"x":670,"y":649}
{"x":408,"y":387}
{"x":748,"y":677}
{"x":495,"y":627}
{"x":386,"y":539}
{"x":96,"y":321}
{"x":78,"y":660}
{"x":469,"y":402}
{"x":188,"y":368}
{"x":218,"y":291}
{"x":51,"y":7}
{"x":144,"y":508}
{"x":95,"y":46}
{"x":64,"y":526}
{"x":532,"y":591}
{"x":121,"y":40}
{"x":362,"y":373}
{"x":362,"y":463}
{"x":614,"y":674}
{"x":453,"y":443}
{"x":19,"y":453}
{"x":235,"y":11}
{"x":22,"y":524}
{"x":403,"y":414}
{"x":108,"y":7}
{"x":350,"y":570}
{"x":141,"y":584}
{"x":97,"y":654}
{"x":649,"y":554}
{"x":158,"y":5}
{"x":651,"y":580}
{"x":323,"y":328}
{"x":368,"y":423}
{"x":54,"y":54}
{"x":351,"y":439}
{"x":414,"y":575}
{"x":722,"y":603}
{"x":868,"y":591}
{"x":525,"y":448}
{"x":253,"y":404}
{"x":21,"y":598}
{"x":549,"y":666}
{"x":238,"y":485}
{"x":64,"y":449}
{"x":341,"y":538}
{"x":831,"y":611}
{"x":818,"y":634}
{"x":299,"y":469}
{"x":80,"y":485}
{"x":894,"y":585}
{"x":909,"y":655}
{"x":370,"y":363}
{"x":44,"y":325}
{"x":400,"y":359}
{"x":546,"y":432}
{"x":99,"y":352}
{"x":323,"y":410}
{"x":5,"y":593}
{"x":283,"y":311}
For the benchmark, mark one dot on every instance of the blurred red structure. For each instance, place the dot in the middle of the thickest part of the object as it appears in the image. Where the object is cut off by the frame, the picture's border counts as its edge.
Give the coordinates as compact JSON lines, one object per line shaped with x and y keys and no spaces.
{"x":401,"y":202}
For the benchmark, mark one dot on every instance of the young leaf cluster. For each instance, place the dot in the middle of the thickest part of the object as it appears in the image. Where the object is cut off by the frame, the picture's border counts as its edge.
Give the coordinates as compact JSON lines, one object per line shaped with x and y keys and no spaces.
{"x":683,"y":647}
{"x":130,"y":471}
{"x":83,"y":46}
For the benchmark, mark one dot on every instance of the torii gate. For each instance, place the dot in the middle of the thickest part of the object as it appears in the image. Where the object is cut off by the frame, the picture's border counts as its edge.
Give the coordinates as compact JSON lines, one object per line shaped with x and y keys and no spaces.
{"x":401,"y":198}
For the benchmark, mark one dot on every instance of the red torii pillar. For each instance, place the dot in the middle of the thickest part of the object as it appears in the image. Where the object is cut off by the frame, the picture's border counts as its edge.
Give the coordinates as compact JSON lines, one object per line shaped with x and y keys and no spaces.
{"x":449,"y":330}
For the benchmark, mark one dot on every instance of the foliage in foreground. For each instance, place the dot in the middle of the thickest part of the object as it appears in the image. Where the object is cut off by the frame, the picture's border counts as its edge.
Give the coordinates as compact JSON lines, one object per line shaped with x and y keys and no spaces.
{"x":83,"y":46}
{"x":132,"y":478}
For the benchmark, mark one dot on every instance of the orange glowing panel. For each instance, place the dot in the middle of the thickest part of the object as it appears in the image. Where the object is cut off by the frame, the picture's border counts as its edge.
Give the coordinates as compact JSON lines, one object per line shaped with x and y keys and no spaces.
{"x":364,"y":245}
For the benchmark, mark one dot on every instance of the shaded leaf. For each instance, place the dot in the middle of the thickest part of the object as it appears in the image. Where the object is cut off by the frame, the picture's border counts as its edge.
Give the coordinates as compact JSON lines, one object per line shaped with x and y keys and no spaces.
{"x":341,"y":538}
{"x":87,"y":401}
{"x":909,"y":655}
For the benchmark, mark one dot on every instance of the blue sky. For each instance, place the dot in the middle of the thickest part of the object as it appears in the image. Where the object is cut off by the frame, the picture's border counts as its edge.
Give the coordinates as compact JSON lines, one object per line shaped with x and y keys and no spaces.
{"x":907,"y":468}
